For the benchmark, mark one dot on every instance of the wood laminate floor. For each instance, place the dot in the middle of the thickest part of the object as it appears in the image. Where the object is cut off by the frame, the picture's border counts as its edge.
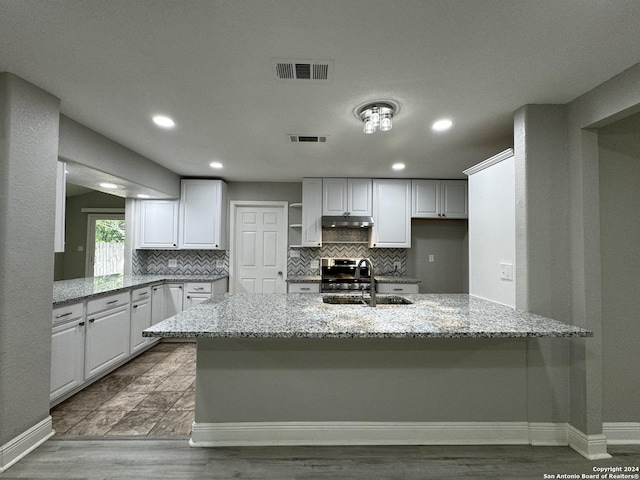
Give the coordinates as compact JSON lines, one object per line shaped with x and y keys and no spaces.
{"x":152,"y":395}
{"x":163,"y":459}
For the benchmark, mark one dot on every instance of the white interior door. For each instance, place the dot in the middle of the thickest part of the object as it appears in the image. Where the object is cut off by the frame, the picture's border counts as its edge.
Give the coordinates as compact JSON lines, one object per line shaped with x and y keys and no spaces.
{"x":259,"y":248}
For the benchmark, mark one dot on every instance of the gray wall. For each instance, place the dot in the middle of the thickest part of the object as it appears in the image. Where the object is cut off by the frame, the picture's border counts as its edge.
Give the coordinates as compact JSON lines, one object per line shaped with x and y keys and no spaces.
{"x":619,"y":162}
{"x":447,"y":240}
{"x":71,"y":263}
{"x":28,"y":155}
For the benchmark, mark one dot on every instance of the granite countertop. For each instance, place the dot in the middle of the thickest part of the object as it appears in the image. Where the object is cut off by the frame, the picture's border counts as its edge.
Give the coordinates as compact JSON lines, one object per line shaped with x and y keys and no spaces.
{"x":306,"y":316}
{"x":379,"y":279}
{"x":77,"y":289}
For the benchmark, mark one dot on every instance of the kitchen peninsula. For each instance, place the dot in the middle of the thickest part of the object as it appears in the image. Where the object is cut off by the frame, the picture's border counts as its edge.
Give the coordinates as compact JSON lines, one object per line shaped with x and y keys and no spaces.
{"x":278,"y":369}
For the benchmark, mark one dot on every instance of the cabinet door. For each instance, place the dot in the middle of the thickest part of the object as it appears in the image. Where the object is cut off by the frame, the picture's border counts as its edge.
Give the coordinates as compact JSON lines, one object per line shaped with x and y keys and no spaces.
{"x":193,"y":299}
{"x":157,"y":304}
{"x":67,"y":357}
{"x":201,"y":214}
{"x":312,"y":212}
{"x":425,"y":198}
{"x":140,"y":319}
{"x":454,"y":199}
{"x":174,"y":295}
{"x":359,"y":192}
{"x":391,"y":214}
{"x":334,"y":196}
{"x":157,"y":224}
{"x":61,"y":186}
{"x":107,"y":340}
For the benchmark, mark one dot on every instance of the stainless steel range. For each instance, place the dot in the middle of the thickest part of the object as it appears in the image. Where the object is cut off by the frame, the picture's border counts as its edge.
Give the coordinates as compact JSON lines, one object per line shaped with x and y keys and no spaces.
{"x":339,"y":274}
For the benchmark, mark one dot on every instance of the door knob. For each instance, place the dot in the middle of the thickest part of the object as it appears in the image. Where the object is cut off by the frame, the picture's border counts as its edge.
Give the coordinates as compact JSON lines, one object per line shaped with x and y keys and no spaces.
{"x":280,"y":273}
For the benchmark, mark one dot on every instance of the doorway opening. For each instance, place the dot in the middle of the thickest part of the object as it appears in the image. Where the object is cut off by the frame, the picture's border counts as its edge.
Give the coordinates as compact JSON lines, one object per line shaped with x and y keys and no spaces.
{"x":105,"y":244}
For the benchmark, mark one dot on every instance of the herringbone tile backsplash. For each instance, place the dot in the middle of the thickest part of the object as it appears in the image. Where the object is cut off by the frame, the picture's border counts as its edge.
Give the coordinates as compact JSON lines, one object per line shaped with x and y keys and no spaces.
{"x":190,"y":262}
{"x":382,"y":258}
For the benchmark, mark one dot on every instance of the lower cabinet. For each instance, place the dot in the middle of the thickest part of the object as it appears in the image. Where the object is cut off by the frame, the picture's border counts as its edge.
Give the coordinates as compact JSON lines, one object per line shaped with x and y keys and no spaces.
{"x":67,"y":357}
{"x":107,"y":341}
{"x":196,"y":293}
{"x":158,"y":307}
{"x":397,"y":288}
{"x":310,"y":287}
{"x":174,"y":298}
{"x":140,"y":318}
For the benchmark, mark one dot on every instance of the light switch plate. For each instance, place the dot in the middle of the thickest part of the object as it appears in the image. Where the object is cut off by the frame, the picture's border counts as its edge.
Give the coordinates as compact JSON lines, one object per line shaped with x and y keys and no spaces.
{"x":219,"y":263}
{"x":294,"y":253}
{"x":315,"y":264}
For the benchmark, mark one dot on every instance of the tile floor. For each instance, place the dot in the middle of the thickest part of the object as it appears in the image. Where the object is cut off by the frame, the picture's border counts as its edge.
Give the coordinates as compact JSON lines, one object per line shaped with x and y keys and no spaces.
{"x":152,"y":395}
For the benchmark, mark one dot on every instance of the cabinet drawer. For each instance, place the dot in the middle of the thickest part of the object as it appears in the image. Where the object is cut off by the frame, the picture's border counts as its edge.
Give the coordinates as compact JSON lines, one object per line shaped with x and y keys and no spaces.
{"x":141,"y":294}
{"x":108,"y":301}
{"x":397,"y":288}
{"x":198,"y":287}
{"x":67,"y":312}
{"x":304,"y":288}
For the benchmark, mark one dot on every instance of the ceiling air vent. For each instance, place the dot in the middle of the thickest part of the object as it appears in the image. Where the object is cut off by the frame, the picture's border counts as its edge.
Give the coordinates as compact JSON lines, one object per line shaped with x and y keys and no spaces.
{"x":308,"y":70}
{"x":307,"y":139}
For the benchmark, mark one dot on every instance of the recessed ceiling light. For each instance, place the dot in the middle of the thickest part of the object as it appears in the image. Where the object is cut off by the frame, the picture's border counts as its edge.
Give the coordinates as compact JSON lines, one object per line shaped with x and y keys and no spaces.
{"x":441,"y":125}
{"x":143,"y":195}
{"x":164,"y":121}
{"x":398,"y":166}
{"x":110,"y":186}
{"x":215,"y":165}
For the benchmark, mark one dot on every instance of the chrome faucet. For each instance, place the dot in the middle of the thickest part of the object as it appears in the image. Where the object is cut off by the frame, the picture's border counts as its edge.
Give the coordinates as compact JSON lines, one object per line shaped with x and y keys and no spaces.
{"x":372,"y":301}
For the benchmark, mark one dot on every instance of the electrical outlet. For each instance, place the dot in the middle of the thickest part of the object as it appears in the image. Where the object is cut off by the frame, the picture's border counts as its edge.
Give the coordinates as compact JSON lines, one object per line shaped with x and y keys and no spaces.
{"x":315,"y":264}
{"x":432,"y":258}
{"x":294,"y":253}
{"x":172,"y":263}
{"x":397,"y":265}
{"x":219,"y":263}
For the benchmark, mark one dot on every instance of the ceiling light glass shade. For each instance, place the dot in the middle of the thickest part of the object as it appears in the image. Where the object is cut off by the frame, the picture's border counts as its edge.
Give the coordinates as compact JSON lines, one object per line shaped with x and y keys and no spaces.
{"x":376,"y":115}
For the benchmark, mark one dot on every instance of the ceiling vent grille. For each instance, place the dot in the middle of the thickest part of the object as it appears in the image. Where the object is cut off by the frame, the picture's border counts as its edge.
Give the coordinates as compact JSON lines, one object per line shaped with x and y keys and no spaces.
{"x":307,"y":139}
{"x":308,"y":70}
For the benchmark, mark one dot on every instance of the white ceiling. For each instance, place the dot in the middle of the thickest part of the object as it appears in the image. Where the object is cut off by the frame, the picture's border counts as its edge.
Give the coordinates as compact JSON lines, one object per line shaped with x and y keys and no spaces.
{"x":208,"y":64}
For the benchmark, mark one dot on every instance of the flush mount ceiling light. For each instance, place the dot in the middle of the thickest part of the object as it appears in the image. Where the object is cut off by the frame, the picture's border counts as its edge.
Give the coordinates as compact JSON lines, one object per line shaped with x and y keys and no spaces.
{"x":398,"y":166}
{"x":377,"y":115}
{"x":164,"y":121}
{"x":109,"y":186}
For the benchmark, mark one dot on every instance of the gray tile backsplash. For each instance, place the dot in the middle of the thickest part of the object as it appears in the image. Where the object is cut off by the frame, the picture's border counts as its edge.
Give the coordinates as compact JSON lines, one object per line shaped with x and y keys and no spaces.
{"x":189,"y":262}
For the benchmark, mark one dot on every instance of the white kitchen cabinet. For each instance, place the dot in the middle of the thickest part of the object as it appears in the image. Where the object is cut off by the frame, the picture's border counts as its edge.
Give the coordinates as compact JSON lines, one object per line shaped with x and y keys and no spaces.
{"x":61,"y":188}
{"x":140,"y":318}
{"x":157,"y":304}
{"x":439,"y":199}
{"x":67,"y":349}
{"x":346,"y":196}
{"x":174,"y":297}
{"x":311,"y":212}
{"x":107,"y":333}
{"x":157,"y":222}
{"x":397,"y":288}
{"x":304,"y":287}
{"x":203,"y":219}
{"x":391,"y":214}
{"x":196,"y":293}
{"x":220,"y":286}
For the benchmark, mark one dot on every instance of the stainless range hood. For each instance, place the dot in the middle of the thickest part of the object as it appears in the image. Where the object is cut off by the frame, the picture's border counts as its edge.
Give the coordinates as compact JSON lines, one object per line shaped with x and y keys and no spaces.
{"x":347,"y":222}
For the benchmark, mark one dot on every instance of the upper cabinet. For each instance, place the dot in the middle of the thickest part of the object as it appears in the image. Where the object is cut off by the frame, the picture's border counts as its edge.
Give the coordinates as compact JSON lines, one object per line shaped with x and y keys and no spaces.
{"x":157,"y":224}
{"x":61,"y":188}
{"x":311,"y":212}
{"x":347,"y":196}
{"x":391,"y":214}
{"x":439,"y":199}
{"x":203,"y":215}
{"x":197,"y":221}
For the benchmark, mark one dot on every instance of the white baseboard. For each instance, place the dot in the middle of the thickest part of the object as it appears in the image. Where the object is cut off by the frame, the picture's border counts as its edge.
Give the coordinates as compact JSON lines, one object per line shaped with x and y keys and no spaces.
{"x":592,"y":447}
{"x":358,"y":433}
{"x":622,"y":433}
{"x":25,"y":443}
{"x":548,"y":434}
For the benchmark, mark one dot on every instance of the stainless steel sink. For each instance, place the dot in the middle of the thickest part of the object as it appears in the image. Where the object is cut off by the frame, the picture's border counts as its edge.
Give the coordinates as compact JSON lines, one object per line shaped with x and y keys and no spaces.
{"x":358,"y":300}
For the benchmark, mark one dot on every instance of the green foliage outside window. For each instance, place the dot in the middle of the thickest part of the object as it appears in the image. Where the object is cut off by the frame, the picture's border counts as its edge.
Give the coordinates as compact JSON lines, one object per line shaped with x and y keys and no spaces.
{"x":110,"y":231}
